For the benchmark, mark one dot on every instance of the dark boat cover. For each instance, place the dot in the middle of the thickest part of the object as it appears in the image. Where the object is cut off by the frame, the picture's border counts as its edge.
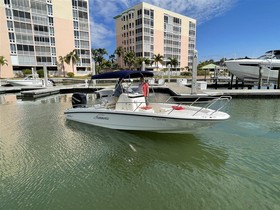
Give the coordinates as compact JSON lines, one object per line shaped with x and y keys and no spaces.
{"x":123,"y":74}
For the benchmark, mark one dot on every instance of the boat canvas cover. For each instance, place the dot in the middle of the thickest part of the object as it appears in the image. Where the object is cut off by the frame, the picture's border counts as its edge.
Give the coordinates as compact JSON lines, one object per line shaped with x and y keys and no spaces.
{"x":123,"y":74}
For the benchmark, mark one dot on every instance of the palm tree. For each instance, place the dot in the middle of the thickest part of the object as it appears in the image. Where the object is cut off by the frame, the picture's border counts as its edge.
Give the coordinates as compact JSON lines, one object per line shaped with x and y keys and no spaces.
{"x":139,"y":61}
{"x":72,"y":58}
{"x":98,"y":57}
{"x":173,"y":62}
{"x":3,"y":62}
{"x":158,"y":59}
{"x":112,"y":59}
{"x":129,"y":58}
{"x":61,"y":61}
{"x":120,"y":53}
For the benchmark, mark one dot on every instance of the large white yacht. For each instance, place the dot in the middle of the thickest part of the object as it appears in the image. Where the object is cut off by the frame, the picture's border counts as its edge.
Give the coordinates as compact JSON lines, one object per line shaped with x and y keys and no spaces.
{"x":249,"y":68}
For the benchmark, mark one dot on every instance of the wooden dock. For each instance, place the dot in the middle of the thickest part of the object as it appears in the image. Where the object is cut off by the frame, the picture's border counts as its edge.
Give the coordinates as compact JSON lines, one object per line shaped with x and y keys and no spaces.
{"x":179,"y":91}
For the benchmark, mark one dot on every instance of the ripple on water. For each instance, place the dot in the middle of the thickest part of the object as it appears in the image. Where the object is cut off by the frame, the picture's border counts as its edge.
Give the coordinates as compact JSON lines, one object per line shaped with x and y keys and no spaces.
{"x":51,"y":163}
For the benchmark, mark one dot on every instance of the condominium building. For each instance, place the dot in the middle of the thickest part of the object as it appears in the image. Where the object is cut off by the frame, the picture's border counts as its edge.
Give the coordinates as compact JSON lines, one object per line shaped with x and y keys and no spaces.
{"x":35,"y":33}
{"x":149,"y":30}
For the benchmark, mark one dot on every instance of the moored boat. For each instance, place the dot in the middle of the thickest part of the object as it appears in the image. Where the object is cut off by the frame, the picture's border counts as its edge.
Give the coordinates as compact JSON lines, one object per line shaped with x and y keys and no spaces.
{"x":249,"y":68}
{"x":131,"y":112}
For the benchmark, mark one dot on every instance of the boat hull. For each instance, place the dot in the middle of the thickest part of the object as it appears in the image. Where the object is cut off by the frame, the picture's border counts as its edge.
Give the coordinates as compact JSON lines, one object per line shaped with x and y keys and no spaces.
{"x":249,"y":69}
{"x":35,"y":83}
{"x":138,"y":121}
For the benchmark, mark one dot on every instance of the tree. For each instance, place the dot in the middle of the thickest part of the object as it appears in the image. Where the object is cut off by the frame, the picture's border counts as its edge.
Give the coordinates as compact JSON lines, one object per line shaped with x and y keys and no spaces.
{"x":129,"y":58}
{"x":173,"y":62}
{"x":139,"y":61}
{"x":61,"y":61}
{"x":72,"y":58}
{"x":3,"y":62}
{"x":119,"y":52}
{"x":98,"y":55}
{"x":158,"y":59}
{"x":112,"y":58}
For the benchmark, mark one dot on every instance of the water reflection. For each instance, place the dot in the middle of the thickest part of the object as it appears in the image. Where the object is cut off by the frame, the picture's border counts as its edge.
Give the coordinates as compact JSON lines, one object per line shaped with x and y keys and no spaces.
{"x":48,"y":162}
{"x":139,"y":150}
{"x":8,"y":99}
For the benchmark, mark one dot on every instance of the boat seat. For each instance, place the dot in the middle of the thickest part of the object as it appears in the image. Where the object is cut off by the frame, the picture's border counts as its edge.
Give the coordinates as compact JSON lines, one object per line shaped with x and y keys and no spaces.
{"x":146,"y":109}
{"x":178,"y":107}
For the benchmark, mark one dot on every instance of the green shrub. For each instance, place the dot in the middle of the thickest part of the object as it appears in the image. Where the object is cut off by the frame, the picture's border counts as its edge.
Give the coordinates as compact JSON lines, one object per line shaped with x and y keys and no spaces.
{"x":40,"y":72}
{"x":26,"y":72}
{"x":70,"y":74}
{"x":186,"y":73}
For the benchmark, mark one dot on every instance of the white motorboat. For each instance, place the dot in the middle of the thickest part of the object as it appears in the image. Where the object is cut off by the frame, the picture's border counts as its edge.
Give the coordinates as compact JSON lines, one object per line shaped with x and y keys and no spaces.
{"x":269,"y":64}
{"x":131,"y":112}
{"x":29,"y":81}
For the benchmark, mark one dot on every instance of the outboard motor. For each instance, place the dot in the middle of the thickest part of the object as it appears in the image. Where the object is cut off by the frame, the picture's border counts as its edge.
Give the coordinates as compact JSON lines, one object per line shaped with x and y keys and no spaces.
{"x":79,"y":100}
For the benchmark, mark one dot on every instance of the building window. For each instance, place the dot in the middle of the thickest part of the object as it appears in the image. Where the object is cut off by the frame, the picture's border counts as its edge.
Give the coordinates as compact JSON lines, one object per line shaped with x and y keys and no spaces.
{"x":76,"y":34}
{"x":12,"y":37}
{"x":82,"y":4}
{"x":76,"y":25}
{"x":10,"y":25}
{"x":75,"y":14}
{"x":165,"y":19}
{"x":13,"y":49}
{"x":50,"y":10}
{"x":139,"y":12}
{"x":52,"y":41}
{"x":51,"y":31}
{"x":146,"y":12}
{"x":152,"y":14}
{"x":53,"y":51}
{"x":50,"y":21}
{"x":77,"y":44}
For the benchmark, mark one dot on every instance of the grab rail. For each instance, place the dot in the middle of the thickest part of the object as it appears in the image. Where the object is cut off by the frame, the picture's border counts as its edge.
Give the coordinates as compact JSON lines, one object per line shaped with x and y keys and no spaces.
{"x":210,"y":102}
{"x":227,"y":99}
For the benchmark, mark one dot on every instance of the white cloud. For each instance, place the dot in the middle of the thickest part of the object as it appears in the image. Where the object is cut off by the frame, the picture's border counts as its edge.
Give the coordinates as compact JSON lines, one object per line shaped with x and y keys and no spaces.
{"x":101,"y":35}
{"x":202,"y":10}
{"x":105,"y":11}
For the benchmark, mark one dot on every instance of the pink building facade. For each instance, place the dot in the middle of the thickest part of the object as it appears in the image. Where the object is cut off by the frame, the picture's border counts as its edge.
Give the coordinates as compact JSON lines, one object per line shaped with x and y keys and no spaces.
{"x":148,"y":30}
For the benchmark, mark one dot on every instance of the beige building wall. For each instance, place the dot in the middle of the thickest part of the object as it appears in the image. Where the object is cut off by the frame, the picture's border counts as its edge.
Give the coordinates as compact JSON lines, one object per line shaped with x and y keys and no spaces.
{"x":64,"y":33}
{"x":158,"y":30}
{"x":62,"y":14}
{"x":185,"y":42}
{"x":6,"y":71}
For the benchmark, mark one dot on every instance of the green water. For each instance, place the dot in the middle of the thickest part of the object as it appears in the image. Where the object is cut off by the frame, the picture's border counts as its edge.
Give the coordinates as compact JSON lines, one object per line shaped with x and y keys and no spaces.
{"x":48,"y":163}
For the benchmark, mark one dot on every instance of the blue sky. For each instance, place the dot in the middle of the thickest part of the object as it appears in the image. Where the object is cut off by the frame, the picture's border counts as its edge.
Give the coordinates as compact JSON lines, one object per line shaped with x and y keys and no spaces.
{"x":225,"y":28}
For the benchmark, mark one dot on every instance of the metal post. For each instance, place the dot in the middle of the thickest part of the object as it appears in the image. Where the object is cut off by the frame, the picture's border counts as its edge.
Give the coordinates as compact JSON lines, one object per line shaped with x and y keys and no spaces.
{"x":278,"y":81}
{"x":194,"y":73}
{"x":45,"y":76}
{"x":143,"y":66}
{"x":93,"y":71}
{"x":33,"y":73}
{"x":168,"y":66}
{"x":231,"y":81}
{"x":260,"y":77}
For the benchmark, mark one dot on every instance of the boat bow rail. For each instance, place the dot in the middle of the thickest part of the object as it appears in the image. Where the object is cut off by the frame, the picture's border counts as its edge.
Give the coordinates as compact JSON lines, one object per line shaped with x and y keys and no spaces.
{"x":208,"y":102}
{"x":135,"y":104}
